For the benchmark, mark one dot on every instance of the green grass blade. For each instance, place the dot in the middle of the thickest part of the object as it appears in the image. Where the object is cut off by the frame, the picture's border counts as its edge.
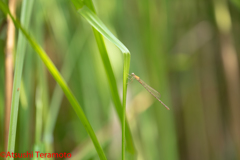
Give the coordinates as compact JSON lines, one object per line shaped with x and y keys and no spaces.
{"x":25,"y":96}
{"x":57,"y":21}
{"x":125,"y":80}
{"x":53,"y":70}
{"x":86,"y":150}
{"x":100,"y":27}
{"x":17,"y":77}
{"x":39,"y":115}
{"x":67,"y":69}
{"x":110,"y":75}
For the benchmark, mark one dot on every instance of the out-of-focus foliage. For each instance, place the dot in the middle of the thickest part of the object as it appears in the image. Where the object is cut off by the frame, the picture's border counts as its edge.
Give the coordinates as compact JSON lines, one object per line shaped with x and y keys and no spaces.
{"x":187,"y":50}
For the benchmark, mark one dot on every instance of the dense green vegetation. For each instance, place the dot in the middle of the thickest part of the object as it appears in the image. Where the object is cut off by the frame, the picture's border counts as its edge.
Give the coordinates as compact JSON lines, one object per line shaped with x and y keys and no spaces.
{"x":71,"y":90}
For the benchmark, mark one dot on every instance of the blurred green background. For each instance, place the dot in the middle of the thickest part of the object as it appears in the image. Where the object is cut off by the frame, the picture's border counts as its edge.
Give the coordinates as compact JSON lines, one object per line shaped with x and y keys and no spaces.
{"x":187,"y":50}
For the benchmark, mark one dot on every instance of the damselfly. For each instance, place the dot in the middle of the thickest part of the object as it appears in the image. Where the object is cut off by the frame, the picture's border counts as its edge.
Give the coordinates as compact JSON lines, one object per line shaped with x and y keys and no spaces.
{"x":153,"y":92}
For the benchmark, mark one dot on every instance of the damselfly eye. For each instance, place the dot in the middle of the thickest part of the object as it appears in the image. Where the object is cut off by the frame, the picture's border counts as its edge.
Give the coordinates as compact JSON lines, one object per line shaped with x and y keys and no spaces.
{"x":132,"y":74}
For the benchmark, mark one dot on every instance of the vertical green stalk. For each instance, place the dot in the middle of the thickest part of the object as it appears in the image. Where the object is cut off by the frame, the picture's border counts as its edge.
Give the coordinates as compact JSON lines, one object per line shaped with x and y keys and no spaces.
{"x":24,"y":111}
{"x":41,"y":91}
{"x":98,"y":26}
{"x":156,"y":44}
{"x":71,"y":58}
{"x":100,"y":29}
{"x":17,"y":77}
{"x":57,"y":76}
{"x":126,"y":67}
{"x":39,"y":111}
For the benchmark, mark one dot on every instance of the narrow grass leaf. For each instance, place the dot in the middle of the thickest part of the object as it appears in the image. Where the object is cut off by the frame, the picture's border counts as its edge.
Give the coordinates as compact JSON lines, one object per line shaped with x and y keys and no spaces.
{"x":67,"y":69}
{"x":57,"y":76}
{"x":93,"y":19}
{"x":25,"y":96}
{"x":110,"y":75}
{"x":17,"y":75}
{"x":100,"y":27}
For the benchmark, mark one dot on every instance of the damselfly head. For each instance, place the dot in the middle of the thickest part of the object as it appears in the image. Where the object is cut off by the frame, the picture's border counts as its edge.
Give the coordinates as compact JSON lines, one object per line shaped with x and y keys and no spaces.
{"x":133,"y":74}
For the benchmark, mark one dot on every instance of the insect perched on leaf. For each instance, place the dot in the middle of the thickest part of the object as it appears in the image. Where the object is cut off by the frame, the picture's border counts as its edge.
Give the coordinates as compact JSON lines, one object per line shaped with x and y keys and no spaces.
{"x":18,"y":89}
{"x":153,"y":92}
